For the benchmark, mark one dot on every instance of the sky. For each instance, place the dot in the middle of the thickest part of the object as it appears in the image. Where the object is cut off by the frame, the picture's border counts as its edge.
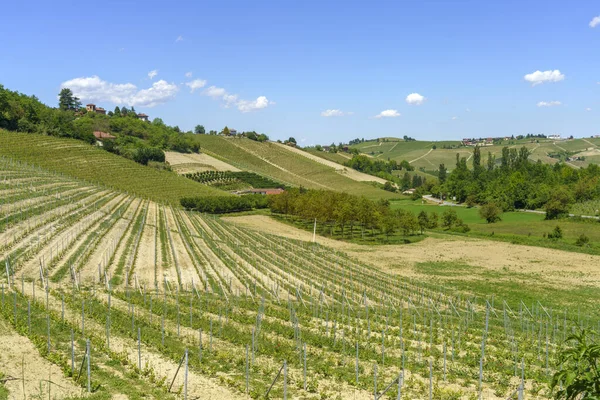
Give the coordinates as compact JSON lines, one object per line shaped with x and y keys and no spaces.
{"x":320,"y":71}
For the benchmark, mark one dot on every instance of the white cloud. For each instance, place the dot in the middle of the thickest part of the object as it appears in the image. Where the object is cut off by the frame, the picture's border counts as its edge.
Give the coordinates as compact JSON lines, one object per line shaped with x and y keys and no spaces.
{"x":152,"y":73}
{"x":415,"y":99}
{"x":595,"y":22}
{"x":196,"y":84}
{"x":334,"y":113}
{"x":95,"y":89}
{"x":468,"y":110}
{"x":179,"y":39}
{"x":388,"y":114}
{"x":188,"y":74}
{"x":454,"y":118}
{"x":588,"y":109}
{"x":230,"y":99}
{"x":247,"y":106}
{"x":539,"y":77}
{"x":548,"y":103}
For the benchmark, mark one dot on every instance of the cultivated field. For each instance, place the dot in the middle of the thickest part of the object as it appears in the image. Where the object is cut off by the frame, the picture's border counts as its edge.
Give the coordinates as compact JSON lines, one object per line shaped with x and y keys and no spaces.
{"x":274,"y":161}
{"x":183,"y":163}
{"x":142,"y":288}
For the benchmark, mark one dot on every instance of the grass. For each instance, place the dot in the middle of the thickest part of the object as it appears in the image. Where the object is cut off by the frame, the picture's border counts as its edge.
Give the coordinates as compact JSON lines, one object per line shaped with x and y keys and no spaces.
{"x":335,"y":157}
{"x":90,"y":163}
{"x":511,"y":286}
{"x":271,"y":160}
{"x":518,"y":227}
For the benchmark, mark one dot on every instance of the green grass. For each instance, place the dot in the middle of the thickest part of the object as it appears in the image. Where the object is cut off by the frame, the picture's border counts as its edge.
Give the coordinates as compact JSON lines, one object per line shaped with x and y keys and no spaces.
{"x":511,"y":286}
{"x":271,"y":160}
{"x":518,"y":227}
{"x":90,"y":163}
{"x":335,"y":157}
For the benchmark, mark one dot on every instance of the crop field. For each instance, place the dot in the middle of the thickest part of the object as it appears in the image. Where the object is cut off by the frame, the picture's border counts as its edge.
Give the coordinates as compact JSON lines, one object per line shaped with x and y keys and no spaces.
{"x":123,"y":297}
{"x":75,"y":158}
{"x":280,"y":164}
{"x":188,"y":163}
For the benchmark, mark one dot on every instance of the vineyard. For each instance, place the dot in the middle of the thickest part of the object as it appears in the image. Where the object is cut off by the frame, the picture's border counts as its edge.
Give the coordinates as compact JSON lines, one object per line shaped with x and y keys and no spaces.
{"x":133,"y":298}
{"x":226,"y":180}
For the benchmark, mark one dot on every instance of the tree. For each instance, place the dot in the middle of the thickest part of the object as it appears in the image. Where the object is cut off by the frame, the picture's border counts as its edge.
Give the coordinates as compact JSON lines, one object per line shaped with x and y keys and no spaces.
{"x":442,"y":174}
{"x":558,"y":205}
{"x":67,"y":101}
{"x":199,"y":130}
{"x":388,"y":186}
{"x":423,"y":220}
{"x":579,"y":375}
{"x":449,"y":219}
{"x":117,"y":112}
{"x":292,"y":140}
{"x":225,"y":131}
{"x":490,"y":212}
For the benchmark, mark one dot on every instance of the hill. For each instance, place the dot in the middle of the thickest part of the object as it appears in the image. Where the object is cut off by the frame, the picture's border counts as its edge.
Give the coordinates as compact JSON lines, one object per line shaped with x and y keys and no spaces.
{"x":83,"y":161}
{"x":421,"y":154}
{"x":280,"y":164}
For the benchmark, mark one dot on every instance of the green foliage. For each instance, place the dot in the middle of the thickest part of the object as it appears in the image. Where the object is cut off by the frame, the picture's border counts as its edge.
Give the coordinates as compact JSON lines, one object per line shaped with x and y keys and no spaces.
{"x":578,"y":376}
{"x":380,"y":168}
{"x":199,"y":130}
{"x":558,"y":205}
{"x":219,"y":205}
{"x":556,"y":234}
{"x":389,"y":186}
{"x":67,"y":101}
{"x":449,"y":218}
{"x":490,"y":212}
{"x":218,"y":178}
{"x":582,"y":240}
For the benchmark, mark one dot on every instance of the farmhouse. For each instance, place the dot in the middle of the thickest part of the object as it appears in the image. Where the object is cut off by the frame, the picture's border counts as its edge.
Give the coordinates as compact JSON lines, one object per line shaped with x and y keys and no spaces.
{"x":92,"y":108}
{"x":143,"y":117}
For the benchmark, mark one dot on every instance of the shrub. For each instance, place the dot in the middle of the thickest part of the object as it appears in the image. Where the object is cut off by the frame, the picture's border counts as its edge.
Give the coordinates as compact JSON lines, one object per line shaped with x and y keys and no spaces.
{"x":582,"y":240}
{"x":490,"y":212}
{"x":449,"y":219}
{"x":556,"y":233}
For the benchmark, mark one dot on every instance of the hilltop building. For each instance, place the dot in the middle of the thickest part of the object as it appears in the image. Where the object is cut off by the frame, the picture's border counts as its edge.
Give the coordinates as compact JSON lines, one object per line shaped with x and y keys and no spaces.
{"x":92,"y":108}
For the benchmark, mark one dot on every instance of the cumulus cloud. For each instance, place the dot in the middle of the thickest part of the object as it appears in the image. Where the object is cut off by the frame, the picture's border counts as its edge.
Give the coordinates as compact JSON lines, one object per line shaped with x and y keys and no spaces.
{"x":415,"y":99}
{"x":548,"y":103}
{"x":334,"y":113}
{"x":188,"y":74}
{"x":388,"y":114}
{"x":588,"y":109}
{"x":230,"y":99}
{"x":196,"y":84}
{"x":179,"y":39}
{"x":595,"y":22}
{"x":95,"y":89}
{"x":539,"y":77}
{"x":152,"y":73}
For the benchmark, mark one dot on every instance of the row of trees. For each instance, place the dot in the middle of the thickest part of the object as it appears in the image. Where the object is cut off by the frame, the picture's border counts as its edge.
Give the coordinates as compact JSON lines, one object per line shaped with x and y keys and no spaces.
{"x":516,"y":182}
{"x":225,"y":204}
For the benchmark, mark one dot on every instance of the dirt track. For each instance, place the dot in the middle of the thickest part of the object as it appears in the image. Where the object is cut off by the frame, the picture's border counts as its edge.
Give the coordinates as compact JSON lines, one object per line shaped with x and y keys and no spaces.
{"x":559,"y":267}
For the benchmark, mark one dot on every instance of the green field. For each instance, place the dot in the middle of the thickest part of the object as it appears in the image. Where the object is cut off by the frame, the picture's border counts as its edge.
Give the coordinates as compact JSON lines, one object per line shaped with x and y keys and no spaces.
{"x":518,"y":227}
{"x":271,"y":160}
{"x":90,"y":163}
{"x":339,"y":158}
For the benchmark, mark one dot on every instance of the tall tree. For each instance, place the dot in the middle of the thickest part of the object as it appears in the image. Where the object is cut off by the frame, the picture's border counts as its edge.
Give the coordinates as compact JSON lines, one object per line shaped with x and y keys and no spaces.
{"x":67,"y":101}
{"x":442,"y":174}
{"x":476,"y":161}
{"x":199,"y":130}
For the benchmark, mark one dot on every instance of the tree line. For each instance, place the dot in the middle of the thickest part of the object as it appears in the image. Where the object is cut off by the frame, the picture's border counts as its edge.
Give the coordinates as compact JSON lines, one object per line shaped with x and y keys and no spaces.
{"x":224,"y":204}
{"x":516,"y":182}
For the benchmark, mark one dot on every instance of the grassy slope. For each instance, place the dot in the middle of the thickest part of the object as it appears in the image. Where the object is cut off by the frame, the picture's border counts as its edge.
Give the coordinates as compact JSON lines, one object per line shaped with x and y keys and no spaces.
{"x":270,"y":160}
{"x":82,"y":161}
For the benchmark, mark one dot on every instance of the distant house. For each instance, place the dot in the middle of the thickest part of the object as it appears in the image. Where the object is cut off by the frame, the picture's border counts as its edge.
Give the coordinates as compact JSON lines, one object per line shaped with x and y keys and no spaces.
{"x":554,"y":137}
{"x":143,"y":117}
{"x":92,"y":108}
{"x":263,"y":191}
{"x":409,"y":191}
{"x":233,"y":132}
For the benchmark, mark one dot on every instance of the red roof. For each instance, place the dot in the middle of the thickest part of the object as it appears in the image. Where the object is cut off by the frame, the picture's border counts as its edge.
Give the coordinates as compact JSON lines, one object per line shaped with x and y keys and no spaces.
{"x":142,"y":115}
{"x":103,"y":135}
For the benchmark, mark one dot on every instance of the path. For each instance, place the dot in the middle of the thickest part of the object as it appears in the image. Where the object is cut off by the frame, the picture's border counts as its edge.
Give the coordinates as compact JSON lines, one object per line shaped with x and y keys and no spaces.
{"x":418,"y":158}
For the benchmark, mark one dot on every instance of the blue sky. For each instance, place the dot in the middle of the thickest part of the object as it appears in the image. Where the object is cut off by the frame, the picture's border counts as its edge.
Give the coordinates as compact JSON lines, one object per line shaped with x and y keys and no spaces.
{"x":278,"y":66}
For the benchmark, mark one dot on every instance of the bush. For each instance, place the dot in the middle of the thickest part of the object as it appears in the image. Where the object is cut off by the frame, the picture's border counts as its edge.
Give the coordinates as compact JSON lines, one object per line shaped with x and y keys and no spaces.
{"x":556,"y":233}
{"x":582,"y":240}
{"x":490,"y":212}
{"x":389,"y":187}
{"x":449,"y":219}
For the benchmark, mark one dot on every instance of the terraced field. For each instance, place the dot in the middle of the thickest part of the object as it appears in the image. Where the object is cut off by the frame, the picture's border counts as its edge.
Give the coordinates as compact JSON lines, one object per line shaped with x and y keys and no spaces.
{"x":118,"y":291}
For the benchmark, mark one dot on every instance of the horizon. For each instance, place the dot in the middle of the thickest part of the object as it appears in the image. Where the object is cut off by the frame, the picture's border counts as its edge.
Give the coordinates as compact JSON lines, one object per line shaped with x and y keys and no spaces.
{"x":431,"y":71}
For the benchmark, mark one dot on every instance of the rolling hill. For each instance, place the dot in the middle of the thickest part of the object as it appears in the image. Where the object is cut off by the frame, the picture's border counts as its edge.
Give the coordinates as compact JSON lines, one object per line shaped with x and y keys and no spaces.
{"x":275,"y":161}
{"x":82,"y":161}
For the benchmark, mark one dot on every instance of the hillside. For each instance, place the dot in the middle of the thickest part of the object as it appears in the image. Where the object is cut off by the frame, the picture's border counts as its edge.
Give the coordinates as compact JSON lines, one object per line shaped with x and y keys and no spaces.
{"x":274,"y":161}
{"x":421,"y":154}
{"x":83,"y":161}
